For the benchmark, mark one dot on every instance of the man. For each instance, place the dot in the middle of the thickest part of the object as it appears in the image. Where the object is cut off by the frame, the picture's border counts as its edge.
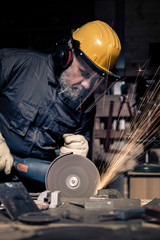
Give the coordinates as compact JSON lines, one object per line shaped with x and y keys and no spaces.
{"x":43,"y":96}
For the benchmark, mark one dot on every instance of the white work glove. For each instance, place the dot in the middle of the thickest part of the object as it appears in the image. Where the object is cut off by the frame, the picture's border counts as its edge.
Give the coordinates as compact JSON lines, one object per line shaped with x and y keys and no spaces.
{"x":74,"y":143}
{"x":6,"y":159}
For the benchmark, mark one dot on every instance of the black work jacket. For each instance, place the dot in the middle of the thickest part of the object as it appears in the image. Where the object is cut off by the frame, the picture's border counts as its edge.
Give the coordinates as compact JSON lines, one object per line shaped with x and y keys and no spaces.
{"x":33,"y":115}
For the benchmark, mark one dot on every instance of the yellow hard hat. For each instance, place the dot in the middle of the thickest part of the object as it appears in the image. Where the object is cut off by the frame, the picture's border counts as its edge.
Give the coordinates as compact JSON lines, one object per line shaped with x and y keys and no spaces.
{"x":99,"y":45}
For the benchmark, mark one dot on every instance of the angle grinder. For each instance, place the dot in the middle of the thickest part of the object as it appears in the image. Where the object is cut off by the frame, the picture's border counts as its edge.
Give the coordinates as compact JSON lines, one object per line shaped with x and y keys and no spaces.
{"x":72,"y":174}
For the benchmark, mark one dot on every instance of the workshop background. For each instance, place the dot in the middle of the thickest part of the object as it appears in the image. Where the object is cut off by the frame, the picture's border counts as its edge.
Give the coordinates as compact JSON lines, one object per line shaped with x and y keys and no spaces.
{"x":40,"y":24}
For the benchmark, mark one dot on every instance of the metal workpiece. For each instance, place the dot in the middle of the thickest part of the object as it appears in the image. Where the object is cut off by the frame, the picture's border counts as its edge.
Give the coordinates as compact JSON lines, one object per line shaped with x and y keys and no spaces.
{"x":55,"y":199}
{"x":123,"y":214}
{"x":44,"y":196}
{"x":110,"y":193}
{"x":112,"y":204}
{"x":108,"y":205}
{"x":52,"y":198}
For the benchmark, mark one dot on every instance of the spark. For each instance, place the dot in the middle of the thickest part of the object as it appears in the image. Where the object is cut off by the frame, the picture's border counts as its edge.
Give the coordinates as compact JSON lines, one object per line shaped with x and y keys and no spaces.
{"x":140,"y":69}
{"x":145,"y":128}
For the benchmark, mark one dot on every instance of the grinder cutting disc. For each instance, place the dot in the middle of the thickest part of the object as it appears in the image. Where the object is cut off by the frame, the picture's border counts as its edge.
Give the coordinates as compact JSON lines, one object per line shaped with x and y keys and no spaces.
{"x":73,"y":175}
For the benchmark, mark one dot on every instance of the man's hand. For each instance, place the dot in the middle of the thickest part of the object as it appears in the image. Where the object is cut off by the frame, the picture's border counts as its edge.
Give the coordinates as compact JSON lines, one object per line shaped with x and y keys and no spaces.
{"x":74,"y":143}
{"x":6,"y":159}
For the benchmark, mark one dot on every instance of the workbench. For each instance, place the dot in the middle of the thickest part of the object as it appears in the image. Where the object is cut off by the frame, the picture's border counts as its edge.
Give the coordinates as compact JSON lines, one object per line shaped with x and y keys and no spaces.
{"x":82,"y":224}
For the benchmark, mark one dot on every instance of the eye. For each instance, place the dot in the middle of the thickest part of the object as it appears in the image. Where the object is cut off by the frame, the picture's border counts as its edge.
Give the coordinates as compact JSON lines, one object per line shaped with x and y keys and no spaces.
{"x":85,"y":74}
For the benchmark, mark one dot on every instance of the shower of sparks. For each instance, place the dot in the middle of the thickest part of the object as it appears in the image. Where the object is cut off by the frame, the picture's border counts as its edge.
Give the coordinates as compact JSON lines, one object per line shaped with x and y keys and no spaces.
{"x":145,"y":128}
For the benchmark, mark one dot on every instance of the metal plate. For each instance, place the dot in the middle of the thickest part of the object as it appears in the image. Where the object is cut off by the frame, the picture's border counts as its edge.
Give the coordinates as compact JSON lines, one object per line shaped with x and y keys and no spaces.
{"x":73,"y":175}
{"x":16,"y":199}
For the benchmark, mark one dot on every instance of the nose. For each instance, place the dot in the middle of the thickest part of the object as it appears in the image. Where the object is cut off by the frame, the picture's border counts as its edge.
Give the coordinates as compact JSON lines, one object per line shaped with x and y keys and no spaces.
{"x":86,"y":83}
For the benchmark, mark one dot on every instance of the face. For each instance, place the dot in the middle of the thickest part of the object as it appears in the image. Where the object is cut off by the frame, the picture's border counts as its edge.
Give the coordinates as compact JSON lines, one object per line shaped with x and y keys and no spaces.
{"x":78,"y":80}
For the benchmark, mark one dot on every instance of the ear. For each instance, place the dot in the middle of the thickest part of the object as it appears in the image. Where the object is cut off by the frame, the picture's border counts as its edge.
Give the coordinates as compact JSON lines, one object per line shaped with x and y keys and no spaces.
{"x":62,"y":55}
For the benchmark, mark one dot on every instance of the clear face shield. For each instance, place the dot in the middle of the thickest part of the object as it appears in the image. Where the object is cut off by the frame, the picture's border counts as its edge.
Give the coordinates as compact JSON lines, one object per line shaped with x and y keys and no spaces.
{"x":79,"y":82}
{"x":91,"y":80}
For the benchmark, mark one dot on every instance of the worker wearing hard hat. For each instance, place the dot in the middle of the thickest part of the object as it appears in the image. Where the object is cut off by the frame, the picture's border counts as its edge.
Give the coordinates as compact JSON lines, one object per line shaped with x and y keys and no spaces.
{"x":43,"y":96}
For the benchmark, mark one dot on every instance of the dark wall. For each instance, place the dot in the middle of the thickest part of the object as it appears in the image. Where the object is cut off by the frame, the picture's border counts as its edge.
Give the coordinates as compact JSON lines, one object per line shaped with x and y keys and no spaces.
{"x":137,"y":23}
{"x":38,"y":24}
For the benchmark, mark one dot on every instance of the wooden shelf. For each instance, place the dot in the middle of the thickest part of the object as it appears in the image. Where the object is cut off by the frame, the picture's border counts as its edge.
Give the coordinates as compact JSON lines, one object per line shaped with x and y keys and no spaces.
{"x":101,"y":133}
{"x":103,"y":106}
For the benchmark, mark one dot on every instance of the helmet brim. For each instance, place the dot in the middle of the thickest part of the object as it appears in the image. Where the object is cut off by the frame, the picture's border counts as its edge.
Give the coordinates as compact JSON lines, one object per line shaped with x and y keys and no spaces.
{"x":94,"y":66}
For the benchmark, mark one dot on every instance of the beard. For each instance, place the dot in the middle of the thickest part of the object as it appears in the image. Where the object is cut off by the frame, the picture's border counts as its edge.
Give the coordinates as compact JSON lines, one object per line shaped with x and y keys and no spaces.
{"x":73,"y":92}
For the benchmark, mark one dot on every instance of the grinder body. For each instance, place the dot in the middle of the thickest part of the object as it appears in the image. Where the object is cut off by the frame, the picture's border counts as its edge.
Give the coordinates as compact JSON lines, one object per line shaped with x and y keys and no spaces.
{"x":31,"y":168}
